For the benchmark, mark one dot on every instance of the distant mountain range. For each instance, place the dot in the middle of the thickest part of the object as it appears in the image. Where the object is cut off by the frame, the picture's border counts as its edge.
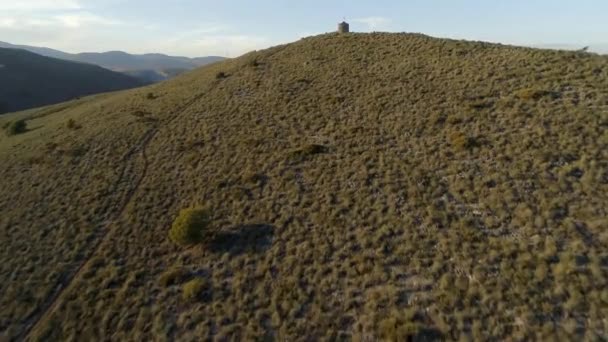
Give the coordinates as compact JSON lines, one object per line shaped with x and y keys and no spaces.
{"x":29,"y":80}
{"x":148,"y":67}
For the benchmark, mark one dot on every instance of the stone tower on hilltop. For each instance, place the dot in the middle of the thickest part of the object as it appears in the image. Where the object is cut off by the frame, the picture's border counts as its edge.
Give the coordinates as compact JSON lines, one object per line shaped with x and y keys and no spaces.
{"x":343,"y":27}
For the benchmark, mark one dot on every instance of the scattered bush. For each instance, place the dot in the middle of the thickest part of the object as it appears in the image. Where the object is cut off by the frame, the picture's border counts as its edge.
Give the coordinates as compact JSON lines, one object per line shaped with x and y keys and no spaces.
{"x":151,"y":96}
{"x":51,"y":146}
{"x":173,"y":276}
{"x":16,"y":127}
{"x":190,"y":227}
{"x":484,"y":246}
{"x":71,"y":124}
{"x":76,"y":151}
{"x":253,"y":63}
{"x":406,"y":326}
{"x":140,"y":113}
{"x":461,"y":141}
{"x":393,"y":330}
{"x":535,"y":94}
{"x":438,"y":118}
{"x":481,"y":104}
{"x":193,"y":290}
{"x":221,"y":75}
{"x":306,"y":151}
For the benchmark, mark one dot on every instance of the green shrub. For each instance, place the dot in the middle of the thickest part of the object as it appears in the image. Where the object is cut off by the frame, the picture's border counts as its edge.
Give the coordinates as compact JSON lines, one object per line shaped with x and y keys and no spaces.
{"x":16,"y":127}
{"x":71,"y":124}
{"x":193,"y":289}
{"x":190,"y":227}
{"x":220,"y":75}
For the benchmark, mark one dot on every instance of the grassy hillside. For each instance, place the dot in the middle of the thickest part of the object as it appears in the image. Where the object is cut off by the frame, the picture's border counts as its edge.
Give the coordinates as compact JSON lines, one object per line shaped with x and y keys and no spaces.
{"x":367,"y":186}
{"x":28,"y":80}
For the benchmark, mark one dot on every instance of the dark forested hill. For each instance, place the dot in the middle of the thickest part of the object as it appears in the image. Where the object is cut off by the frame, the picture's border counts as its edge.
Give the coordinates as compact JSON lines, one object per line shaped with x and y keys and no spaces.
{"x":151,"y":67}
{"x":29,"y":80}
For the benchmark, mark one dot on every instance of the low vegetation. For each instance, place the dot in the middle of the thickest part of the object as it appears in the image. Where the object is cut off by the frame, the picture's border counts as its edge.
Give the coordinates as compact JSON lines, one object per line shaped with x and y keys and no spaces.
{"x":370,"y":186}
{"x":173,"y":276}
{"x":16,"y":127}
{"x":191,"y":227}
{"x":536,"y":94}
{"x":307,"y":151}
{"x":71,"y":124}
{"x":193,"y":289}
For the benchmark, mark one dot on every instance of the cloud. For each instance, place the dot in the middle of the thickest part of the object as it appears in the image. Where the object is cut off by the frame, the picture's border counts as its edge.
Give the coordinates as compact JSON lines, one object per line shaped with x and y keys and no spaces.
{"x":76,"y":26}
{"x":74,"y":20}
{"x":207,"y":39}
{"x":69,"y":30}
{"x":196,"y":32}
{"x":39,"y":5}
{"x":374,"y":23}
{"x":7,"y":22}
{"x":23,"y":22}
{"x":202,"y":42}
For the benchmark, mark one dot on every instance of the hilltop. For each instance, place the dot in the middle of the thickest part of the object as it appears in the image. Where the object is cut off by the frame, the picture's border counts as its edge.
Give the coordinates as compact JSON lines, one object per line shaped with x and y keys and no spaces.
{"x":151,"y":67}
{"x":367,"y":186}
{"x":28,"y":80}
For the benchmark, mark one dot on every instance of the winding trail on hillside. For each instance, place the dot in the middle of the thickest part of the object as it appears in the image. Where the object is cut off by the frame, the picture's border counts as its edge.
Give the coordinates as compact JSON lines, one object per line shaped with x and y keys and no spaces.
{"x":128,"y":175}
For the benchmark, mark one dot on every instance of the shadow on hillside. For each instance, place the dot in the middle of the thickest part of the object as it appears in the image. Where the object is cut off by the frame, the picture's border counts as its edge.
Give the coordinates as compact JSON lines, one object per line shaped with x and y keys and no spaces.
{"x":252,"y":238}
{"x":427,"y":334}
{"x":33,"y":129}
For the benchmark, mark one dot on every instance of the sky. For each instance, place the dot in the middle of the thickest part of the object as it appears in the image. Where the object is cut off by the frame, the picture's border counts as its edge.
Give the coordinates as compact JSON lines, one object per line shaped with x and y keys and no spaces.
{"x":232,"y":27}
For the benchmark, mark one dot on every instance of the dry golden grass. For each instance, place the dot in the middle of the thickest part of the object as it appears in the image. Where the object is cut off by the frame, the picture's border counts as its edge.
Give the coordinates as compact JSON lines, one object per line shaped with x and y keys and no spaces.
{"x":368,"y":185}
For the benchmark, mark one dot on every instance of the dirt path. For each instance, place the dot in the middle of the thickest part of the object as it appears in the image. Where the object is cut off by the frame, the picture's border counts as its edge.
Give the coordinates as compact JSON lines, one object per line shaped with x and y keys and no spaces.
{"x":129,"y":176}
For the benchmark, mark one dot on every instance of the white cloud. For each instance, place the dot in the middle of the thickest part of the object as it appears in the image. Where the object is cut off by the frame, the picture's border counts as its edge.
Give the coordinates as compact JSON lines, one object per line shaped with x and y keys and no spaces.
{"x":26,"y":22}
{"x":39,"y":5}
{"x":195,"y":33}
{"x":374,"y":23}
{"x":207,"y":39}
{"x":7,"y":22}
{"x":74,"y":26}
{"x":80,"y":19}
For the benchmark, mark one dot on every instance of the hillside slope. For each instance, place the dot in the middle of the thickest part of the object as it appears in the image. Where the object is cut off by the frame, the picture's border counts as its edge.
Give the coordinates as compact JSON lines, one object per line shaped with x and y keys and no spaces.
{"x":151,"y":67}
{"x":368,"y":186}
{"x":28,"y":80}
